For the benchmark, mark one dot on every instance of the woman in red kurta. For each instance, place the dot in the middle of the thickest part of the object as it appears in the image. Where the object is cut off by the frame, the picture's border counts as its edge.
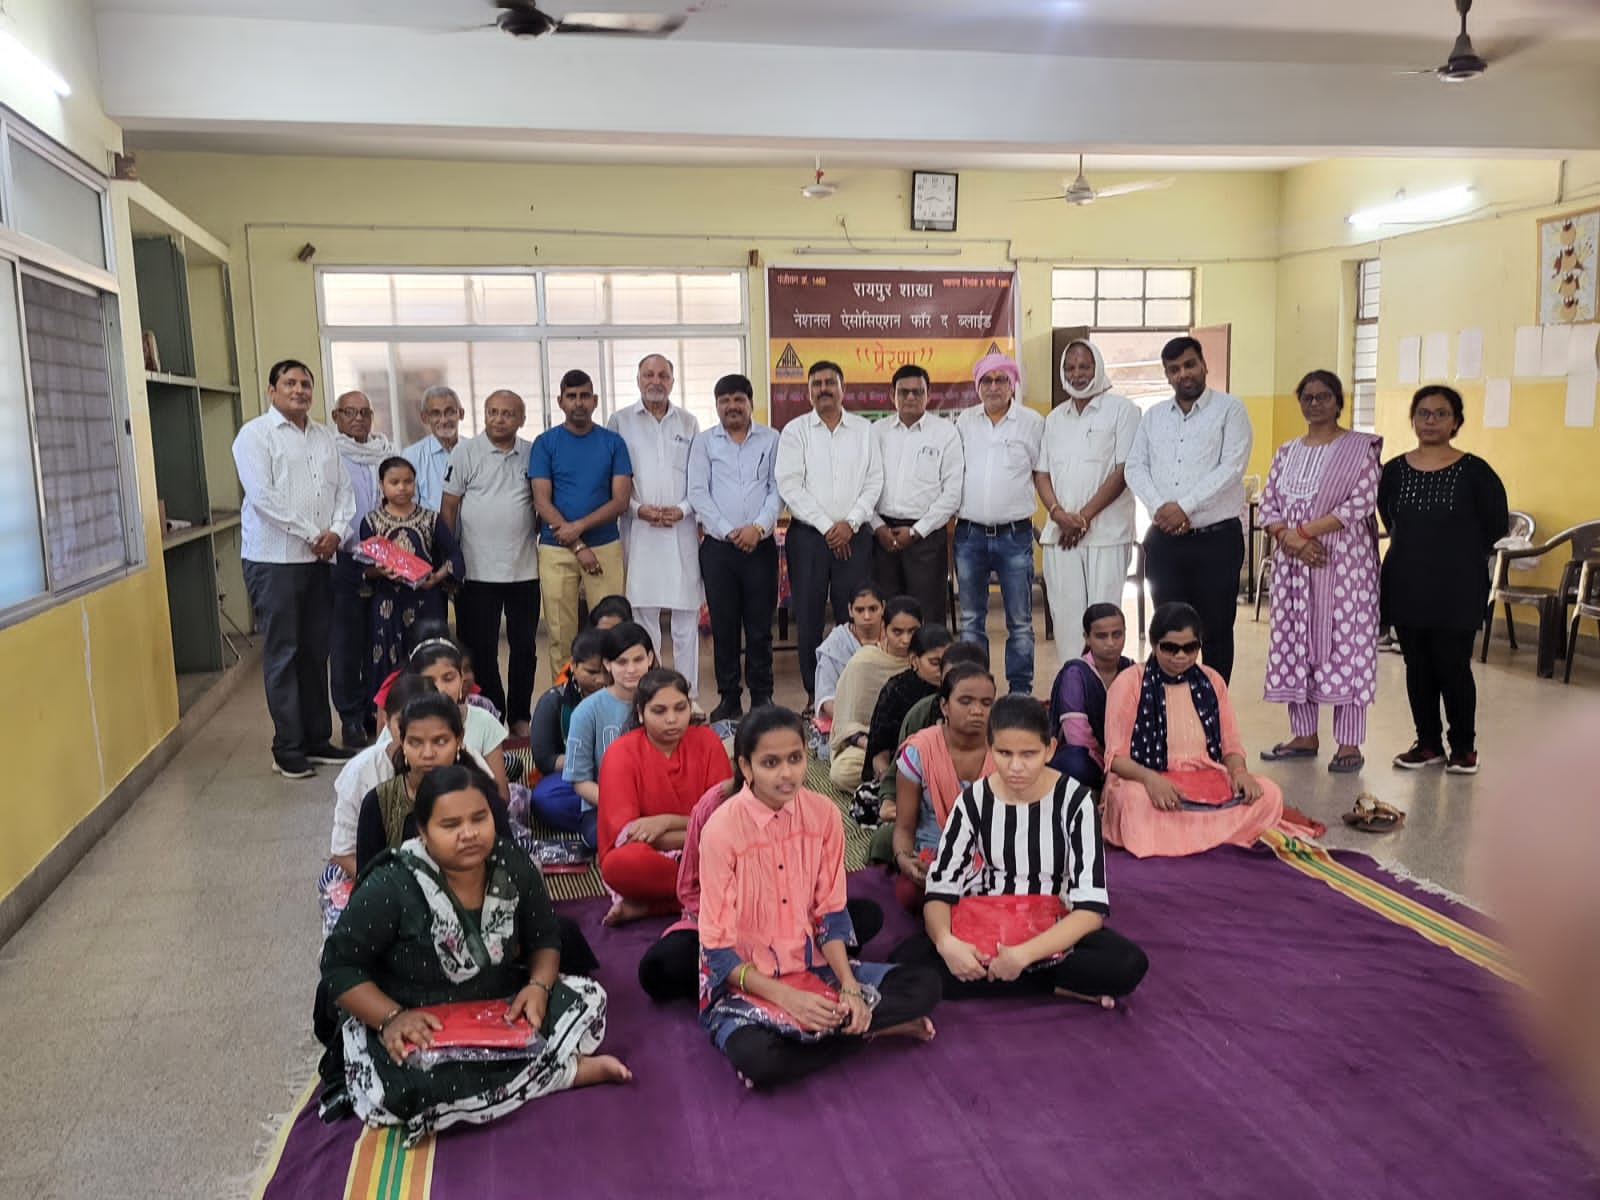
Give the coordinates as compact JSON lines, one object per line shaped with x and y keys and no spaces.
{"x":650,"y":779}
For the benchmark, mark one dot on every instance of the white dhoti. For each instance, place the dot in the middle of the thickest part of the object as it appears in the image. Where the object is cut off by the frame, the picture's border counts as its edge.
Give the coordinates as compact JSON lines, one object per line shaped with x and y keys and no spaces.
{"x":1076,"y":578}
{"x":685,"y":628}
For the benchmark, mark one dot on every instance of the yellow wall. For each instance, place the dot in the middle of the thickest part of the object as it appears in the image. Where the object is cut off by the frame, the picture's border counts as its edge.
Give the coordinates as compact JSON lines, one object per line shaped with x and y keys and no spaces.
{"x":99,"y":688}
{"x":1477,"y":274}
{"x":396,"y":212}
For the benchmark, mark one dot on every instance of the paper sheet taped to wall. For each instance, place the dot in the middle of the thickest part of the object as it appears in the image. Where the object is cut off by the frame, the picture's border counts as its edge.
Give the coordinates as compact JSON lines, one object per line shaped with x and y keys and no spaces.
{"x":1557,"y":356}
{"x":1497,"y":404}
{"x":1580,"y":399}
{"x":1436,"y":356}
{"x":1469,"y":354}
{"x":1581,"y":349}
{"x":1410,"y":359}
{"x":1529,"y":352}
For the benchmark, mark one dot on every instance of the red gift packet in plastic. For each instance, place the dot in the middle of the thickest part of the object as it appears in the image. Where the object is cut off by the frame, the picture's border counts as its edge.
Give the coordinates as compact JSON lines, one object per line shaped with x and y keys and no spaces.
{"x":381,"y":552}
{"x":987,"y":922}
{"x":806,"y":982}
{"x":479,"y":1023}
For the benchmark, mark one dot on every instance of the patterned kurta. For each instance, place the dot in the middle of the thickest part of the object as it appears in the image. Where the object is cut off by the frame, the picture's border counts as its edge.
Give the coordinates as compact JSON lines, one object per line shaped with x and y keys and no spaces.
{"x":395,"y":606}
{"x":1324,"y":647}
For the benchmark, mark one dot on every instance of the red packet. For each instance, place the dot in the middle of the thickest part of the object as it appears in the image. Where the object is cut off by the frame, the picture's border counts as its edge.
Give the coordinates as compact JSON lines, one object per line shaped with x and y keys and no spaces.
{"x":806,"y":982}
{"x":987,"y":922}
{"x":381,"y":552}
{"x":479,"y":1023}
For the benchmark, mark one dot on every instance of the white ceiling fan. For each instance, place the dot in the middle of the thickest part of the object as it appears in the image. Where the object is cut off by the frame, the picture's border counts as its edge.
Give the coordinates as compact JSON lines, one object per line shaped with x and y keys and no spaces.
{"x":1079,"y":192}
{"x":818,"y":188}
{"x":523,"y":18}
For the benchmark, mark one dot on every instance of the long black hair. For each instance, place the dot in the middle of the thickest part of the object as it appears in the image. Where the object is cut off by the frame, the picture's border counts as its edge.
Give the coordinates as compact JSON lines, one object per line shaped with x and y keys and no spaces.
{"x":759,"y":722}
{"x":1017,"y":711}
{"x":441,"y":781}
{"x":428,"y":705}
{"x":657,"y":679}
{"x":1172,"y":616}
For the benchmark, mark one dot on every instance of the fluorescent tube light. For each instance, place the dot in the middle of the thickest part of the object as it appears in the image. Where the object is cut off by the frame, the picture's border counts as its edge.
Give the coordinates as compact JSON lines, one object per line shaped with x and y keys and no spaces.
{"x":1415,"y":210}
{"x":17,"y":57}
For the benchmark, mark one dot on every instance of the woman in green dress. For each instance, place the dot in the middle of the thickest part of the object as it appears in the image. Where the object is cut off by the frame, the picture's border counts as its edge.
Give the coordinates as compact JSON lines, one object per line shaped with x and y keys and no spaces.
{"x":454,"y":914}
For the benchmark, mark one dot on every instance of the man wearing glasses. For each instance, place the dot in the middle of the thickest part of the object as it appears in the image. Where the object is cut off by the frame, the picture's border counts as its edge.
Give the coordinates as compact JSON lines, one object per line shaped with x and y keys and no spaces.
{"x":441,"y":413}
{"x":1187,"y":468}
{"x":362,"y":451}
{"x":1000,"y":440}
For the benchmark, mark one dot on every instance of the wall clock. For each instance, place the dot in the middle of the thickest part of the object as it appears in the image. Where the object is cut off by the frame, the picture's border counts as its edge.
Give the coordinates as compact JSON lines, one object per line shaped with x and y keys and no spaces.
{"x":933,"y":201}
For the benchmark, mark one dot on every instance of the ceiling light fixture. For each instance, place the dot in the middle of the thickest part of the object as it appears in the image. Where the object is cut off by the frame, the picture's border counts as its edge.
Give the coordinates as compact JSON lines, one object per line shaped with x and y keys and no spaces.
{"x":14,"y":56}
{"x":1415,"y":210}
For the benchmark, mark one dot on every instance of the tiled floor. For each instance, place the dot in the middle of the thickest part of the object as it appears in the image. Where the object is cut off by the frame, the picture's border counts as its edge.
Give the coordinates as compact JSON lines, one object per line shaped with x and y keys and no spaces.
{"x":158,"y":1003}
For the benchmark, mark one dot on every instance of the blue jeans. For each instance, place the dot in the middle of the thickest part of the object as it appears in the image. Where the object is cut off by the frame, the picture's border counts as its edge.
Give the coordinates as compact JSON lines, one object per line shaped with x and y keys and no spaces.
{"x":1009,"y":556}
{"x":558,"y":805}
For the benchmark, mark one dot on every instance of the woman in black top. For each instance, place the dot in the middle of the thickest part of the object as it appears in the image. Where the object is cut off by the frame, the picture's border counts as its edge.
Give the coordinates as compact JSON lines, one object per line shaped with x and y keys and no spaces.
{"x":1444,"y":510}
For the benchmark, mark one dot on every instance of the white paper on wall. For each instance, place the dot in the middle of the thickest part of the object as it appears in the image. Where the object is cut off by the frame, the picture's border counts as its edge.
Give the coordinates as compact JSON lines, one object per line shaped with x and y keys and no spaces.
{"x":1580,"y":399}
{"x":1469,"y":354}
{"x":1410,"y":359}
{"x":1436,"y":356}
{"x":1497,"y":404}
{"x":1529,"y":352}
{"x":1581,"y":349}
{"x":1556,"y":355}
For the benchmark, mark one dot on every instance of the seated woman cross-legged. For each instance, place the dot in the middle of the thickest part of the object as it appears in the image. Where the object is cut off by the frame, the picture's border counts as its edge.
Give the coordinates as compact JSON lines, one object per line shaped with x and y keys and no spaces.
{"x":1176,"y":781}
{"x":934,"y":765}
{"x":863,"y":680}
{"x":1078,"y":697}
{"x":1016,"y":896}
{"x":456,"y":914}
{"x":778,"y":992}
{"x":650,"y":780}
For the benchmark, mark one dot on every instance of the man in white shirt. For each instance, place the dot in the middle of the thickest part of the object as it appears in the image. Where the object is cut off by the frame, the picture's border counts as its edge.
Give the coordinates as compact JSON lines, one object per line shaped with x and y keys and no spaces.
{"x":486,"y":502}
{"x":350,"y":647}
{"x":830,"y":476}
{"x":1000,"y":440}
{"x":734,"y":490}
{"x":660,"y":530}
{"x":922,"y":469}
{"x":1187,"y":466}
{"x":298,"y":508}
{"x":441,"y":413}
{"x":1089,"y":539}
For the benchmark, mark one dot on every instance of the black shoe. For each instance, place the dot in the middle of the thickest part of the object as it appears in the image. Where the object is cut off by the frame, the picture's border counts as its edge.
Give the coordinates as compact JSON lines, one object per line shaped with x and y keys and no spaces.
{"x":355,"y":737}
{"x":293,"y":766}
{"x":330,"y":754}
{"x":728,"y":710}
{"x":759,"y":702}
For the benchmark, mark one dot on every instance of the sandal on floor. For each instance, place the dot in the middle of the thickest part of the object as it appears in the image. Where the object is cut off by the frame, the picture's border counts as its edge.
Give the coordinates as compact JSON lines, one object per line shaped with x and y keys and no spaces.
{"x":1371,"y":815}
{"x":1284,"y":750}
{"x":1347,"y":764}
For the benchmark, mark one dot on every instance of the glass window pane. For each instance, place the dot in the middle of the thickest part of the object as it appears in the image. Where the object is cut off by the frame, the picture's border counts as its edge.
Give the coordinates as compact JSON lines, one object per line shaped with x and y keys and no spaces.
{"x":1133,"y":362}
{"x":563,"y":355}
{"x":574,"y":299}
{"x":76,"y":422}
{"x":1170,"y":314}
{"x":504,"y":300}
{"x":515,"y":367}
{"x":706,"y":360}
{"x":712,"y":299}
{"x":644,"y":299}
{"x":1121,"y":284}
{"x":364,"y":367}
{"x":421,"y":365}
{"x":1072,"y":283}
{"x":56,"y":207}
{"x":1125,"y":314}
{"x":430,"y":300}
{"x":351,"y":299}
{"x":1169,"y":284}
{"x":1066,"y":313}
{"x":21,"y":541}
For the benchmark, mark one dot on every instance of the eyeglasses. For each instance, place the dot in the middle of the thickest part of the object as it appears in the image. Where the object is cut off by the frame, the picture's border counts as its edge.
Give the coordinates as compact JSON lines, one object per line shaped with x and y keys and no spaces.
{"x":993,"y":380}
{"x":353,"y":412}
{"x":1317,"y":398}
{"x":1179,"y":647}
{"x":1434,"y":414}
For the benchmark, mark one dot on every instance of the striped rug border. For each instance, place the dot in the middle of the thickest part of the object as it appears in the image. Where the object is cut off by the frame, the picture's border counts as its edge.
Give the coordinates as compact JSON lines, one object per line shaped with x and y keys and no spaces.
{"x":382,"y":1168}
{"x":1426,"y":922}
{"x":280,"y":1142}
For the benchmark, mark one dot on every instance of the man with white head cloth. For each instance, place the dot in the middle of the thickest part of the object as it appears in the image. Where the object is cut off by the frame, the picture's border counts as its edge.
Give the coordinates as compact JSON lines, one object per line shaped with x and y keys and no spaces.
{"x":1089,"y":539}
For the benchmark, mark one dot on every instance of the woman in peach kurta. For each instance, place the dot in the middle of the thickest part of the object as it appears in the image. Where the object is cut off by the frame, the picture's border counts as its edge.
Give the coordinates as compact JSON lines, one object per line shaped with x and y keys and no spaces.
{"x":1191,"y":790}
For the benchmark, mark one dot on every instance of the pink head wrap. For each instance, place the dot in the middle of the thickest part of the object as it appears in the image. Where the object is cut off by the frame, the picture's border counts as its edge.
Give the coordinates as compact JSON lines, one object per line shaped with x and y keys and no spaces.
{"x":998,"y":362}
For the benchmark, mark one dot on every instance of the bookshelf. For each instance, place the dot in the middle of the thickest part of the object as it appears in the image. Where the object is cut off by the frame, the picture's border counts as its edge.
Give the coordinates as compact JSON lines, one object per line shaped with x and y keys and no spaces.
{"x":181,"y":274}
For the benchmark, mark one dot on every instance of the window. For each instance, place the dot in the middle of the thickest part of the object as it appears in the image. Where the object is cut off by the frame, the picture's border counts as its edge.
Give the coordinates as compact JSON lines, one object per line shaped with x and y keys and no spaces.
{"x":1364,"y":368}
{"x":1131,"y":312}
{"x":69,"y":507}
{"x":393,"y":334}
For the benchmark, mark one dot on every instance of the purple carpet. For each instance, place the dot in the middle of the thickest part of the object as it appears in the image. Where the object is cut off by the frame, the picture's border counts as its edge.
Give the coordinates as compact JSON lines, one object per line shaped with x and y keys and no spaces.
{"x":1286,"y":1043}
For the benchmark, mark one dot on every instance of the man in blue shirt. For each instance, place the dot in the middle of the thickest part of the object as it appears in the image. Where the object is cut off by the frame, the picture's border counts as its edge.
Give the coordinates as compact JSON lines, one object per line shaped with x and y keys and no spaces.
{"x":441,"y":413}
{"x":581,"y":479}
{"x":733,"y":490}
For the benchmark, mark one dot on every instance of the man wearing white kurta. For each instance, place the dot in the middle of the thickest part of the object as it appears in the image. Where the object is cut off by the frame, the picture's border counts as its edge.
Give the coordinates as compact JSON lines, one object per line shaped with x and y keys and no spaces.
{"x":1089,"y":539}
{"x":659,"y":538}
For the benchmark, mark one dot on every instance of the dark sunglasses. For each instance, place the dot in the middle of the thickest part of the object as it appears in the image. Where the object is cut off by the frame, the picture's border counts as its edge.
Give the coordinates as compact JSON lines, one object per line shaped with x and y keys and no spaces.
{"x":1179,"y":647}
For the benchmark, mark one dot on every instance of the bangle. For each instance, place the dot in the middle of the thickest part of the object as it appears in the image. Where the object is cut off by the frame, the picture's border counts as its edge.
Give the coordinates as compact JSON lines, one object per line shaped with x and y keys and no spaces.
{"x":855,"y":991}
{"x":578,"y":547}
{"x":1301,"y":530}
{"x":539,"y":983}
{"x":743,"y":971}
{"x":383,"y":1025}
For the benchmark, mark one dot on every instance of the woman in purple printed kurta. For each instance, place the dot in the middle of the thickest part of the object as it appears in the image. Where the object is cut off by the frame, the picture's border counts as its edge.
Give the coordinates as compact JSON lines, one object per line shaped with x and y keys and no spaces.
{"x":1318,"y":506}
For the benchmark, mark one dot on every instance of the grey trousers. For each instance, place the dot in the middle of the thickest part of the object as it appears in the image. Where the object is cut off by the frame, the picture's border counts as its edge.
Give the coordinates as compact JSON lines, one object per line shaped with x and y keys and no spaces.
{"x":293,"y":603}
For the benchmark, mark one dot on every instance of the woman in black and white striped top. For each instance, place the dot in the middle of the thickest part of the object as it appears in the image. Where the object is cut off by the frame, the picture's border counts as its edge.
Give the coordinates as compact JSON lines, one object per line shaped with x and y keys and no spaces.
{"x":1025,"y":830}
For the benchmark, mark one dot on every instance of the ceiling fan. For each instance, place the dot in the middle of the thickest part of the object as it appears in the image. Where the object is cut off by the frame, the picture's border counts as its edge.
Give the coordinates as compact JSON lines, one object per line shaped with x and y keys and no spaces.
{"x":1079,"y":192}
{"x":817,"y":189}
{"x":1465,"y":63}
{"x":523,"y":18}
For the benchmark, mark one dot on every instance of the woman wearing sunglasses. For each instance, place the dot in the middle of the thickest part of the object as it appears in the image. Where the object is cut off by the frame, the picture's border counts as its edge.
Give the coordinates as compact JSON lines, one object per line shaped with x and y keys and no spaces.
{"x":1176,"y":780}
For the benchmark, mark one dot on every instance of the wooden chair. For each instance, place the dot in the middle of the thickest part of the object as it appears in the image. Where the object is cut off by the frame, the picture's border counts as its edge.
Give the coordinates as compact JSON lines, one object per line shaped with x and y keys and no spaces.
{"x":1586,"y":603}
{"x":1583,"y":541}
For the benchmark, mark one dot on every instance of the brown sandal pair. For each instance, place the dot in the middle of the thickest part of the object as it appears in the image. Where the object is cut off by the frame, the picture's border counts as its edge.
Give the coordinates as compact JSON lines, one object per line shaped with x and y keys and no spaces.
{"x":1371,"y":815}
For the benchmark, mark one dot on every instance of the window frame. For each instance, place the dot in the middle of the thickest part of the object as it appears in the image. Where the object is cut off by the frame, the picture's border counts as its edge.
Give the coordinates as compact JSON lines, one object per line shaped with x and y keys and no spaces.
{"x":1362,"y":320}
{"x":1097,"y":332}
{"x":42,"y":260}
{"x":541,"y":333}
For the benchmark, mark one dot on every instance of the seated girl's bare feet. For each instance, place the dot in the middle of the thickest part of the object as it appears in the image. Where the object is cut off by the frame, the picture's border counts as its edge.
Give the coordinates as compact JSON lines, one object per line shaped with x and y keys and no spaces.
{"x":920,"y":1030}
{"x":625,"y":910}
{"x":600,"y":1068}
{"x":1103,"y":1001}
